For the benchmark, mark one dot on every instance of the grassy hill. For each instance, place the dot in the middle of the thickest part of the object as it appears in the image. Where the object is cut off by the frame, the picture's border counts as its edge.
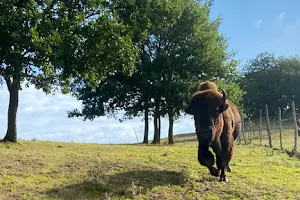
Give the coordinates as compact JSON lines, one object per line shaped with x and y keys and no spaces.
{"x":51,"y":170}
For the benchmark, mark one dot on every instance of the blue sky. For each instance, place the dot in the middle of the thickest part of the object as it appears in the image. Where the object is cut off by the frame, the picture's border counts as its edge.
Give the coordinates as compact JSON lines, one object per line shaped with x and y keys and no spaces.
{"x":251,"y":26}
{"x":260,"y":25}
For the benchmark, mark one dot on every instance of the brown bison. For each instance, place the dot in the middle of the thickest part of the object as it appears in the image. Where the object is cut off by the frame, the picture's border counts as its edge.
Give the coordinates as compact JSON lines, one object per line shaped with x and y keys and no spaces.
{"x":218,"y":123}
{"x":206,"y":85}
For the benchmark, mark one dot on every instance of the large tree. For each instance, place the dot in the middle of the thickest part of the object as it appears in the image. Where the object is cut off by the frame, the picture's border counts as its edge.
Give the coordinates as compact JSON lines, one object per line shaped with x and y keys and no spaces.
{"x":181,"y":58}
{"x":57,"y":43}
{"x":180,"y":48}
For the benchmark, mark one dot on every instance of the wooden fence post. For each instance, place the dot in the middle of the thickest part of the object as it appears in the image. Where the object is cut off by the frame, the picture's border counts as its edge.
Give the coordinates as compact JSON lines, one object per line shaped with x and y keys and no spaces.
{"x":280,"y":127}
{"x":243,"y":130}
{"x":249,"y":134}
{"x":274,"y":124}
{"x":260,"y":125}
{"x":295,"y":126}
{"x":268,"y":126}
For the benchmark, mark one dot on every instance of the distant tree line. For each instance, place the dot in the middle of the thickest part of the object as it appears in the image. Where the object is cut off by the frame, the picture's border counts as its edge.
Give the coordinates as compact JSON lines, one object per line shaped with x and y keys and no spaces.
{"x":271,"y":80}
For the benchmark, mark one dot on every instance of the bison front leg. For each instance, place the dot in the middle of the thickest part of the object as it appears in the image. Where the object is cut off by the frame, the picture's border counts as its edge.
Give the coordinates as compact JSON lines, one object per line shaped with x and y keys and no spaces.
{"x":223,"y":176}
{"x":221,"y":166}
{"x":221,"y":160}
{"x":206,"y":158}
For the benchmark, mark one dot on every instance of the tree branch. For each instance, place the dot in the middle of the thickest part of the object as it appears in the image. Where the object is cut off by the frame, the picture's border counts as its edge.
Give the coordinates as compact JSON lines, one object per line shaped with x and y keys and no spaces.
{"x":26,"y":52}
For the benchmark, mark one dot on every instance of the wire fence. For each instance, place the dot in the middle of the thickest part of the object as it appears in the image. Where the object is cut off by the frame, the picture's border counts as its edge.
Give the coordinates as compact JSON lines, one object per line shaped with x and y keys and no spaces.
{"x":280,"y":131}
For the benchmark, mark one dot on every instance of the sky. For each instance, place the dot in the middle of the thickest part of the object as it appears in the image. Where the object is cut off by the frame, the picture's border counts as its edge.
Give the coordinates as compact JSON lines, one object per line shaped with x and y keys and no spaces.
{"x":260,"y":25}
{"x":251,"y":28}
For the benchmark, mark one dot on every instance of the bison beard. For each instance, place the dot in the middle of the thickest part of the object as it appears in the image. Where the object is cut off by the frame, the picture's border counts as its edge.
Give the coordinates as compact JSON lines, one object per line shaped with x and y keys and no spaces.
{"x":218,"y":124}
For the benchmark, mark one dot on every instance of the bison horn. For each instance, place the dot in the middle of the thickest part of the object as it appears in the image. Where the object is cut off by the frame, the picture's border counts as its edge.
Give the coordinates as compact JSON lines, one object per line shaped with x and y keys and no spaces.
{"x":224,"y":95}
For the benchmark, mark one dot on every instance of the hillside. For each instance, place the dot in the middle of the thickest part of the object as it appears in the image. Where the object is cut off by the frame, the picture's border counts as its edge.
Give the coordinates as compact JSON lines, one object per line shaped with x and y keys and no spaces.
{"x":51,"y":170}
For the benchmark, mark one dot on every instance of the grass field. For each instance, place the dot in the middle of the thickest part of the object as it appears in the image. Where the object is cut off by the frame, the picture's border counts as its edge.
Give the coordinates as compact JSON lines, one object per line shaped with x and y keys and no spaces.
{"x":51,"y":170}
{"x":288,"y":139}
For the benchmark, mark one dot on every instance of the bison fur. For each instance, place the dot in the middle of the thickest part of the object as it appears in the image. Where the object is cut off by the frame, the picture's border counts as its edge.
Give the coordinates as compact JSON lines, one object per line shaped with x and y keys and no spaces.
{"x":218,"y":123}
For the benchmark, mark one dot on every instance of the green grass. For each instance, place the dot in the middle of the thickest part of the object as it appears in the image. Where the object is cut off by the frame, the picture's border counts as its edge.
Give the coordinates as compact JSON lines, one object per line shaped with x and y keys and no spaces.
{"x":288,"y":138}
{"x":51,"y":170}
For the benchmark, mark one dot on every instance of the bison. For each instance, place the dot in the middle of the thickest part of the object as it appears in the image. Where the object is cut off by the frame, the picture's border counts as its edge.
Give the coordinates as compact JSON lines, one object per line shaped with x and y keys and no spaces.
{"x":218,"y":123}
{"x":206,"y":85}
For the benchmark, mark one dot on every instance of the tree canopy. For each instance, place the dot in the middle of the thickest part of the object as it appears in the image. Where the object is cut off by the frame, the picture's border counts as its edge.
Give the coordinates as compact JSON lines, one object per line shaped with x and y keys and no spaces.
{"x":55,"y":44}
{"x":180,"y":48}
{"x":271,"y":80}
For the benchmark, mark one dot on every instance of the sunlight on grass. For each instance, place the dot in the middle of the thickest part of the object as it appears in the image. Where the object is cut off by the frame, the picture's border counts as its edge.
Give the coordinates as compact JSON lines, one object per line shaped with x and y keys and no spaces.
{"x":51,"y":170}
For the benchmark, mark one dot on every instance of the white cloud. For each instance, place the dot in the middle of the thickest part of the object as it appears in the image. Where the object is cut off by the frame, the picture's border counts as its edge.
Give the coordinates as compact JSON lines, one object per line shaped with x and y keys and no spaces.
{"x":44,"y":117}
{"x":258,"y":23}
{"x":280,"y":17}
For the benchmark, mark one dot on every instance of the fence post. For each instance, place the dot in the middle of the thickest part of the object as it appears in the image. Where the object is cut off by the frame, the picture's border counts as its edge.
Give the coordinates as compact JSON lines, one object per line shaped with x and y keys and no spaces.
{"x":268,"y":126}
{"x":243,"y":129}
{"x":250,"y":134}
{"x":260,"y":124}
{"x":295,"y":126}
{"x":274,"y":124}
{"x":280,"y":127}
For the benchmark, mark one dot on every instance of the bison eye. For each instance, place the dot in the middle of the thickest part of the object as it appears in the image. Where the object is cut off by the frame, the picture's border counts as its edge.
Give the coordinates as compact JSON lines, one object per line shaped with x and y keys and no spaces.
{"x":217,"y":110}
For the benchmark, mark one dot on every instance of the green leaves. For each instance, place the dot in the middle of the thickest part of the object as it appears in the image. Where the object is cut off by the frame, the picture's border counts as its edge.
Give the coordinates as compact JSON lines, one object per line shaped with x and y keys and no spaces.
{"x":61,"y":44}
{"x":80,"y":39}
{"x":178,"y":46}
{"x":273,"y":81}
{"x":235,"y":93}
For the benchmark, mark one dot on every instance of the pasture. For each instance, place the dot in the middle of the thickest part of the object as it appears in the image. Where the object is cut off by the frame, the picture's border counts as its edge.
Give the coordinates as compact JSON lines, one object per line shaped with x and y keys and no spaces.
{"x":52,"y":170}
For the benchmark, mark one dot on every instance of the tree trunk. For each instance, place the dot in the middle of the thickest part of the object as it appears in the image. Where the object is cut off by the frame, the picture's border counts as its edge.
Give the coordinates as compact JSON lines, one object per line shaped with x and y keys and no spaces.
{"x":158,"y":128}
{"x":156,"y":138}
{"x":146,"y":130}
{"x":170,"y":133}
{"x":11,"y":134}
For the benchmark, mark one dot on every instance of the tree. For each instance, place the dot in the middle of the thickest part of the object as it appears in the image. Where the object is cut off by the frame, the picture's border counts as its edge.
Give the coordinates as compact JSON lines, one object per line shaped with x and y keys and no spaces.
{"x":271,"y":80}
{"x":53,"y":44}
{"x":183,"y":58}
{"x":170,"y":61}
{"x":289,"y":70}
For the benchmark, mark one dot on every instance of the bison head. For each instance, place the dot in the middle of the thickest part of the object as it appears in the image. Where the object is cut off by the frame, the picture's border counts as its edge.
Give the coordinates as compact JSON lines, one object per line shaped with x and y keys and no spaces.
{"x":206,"y":107}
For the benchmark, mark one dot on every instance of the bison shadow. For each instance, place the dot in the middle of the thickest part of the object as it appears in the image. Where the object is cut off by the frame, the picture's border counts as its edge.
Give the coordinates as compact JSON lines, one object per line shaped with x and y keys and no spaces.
{"x":126,"y":184}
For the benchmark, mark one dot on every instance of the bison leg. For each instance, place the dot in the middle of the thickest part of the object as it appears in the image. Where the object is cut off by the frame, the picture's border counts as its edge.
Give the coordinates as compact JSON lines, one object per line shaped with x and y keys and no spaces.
{"x":206,"y":158}
{"x":223,"y":154}
{"x":221,"y":164}
{"x":226,"y":157}
{"x":228,"y":168}
{"x":223,"y":176}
